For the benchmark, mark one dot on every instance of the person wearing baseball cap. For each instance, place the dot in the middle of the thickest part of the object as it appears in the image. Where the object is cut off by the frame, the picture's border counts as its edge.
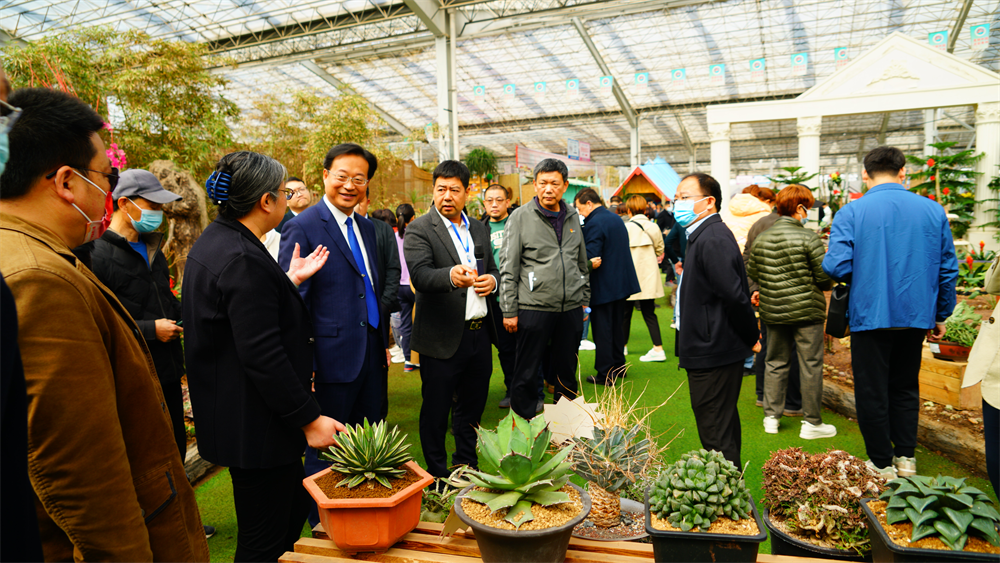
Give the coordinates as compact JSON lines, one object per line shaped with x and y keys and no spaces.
{"x":128,"y":258}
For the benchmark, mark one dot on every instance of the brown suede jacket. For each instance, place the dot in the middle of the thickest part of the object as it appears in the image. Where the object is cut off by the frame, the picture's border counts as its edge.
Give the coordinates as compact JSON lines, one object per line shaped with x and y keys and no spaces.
{"x":108,"y":483}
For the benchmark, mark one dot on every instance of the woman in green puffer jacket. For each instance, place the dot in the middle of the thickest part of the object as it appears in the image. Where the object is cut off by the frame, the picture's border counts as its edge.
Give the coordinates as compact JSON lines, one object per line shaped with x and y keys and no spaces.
{"x":786,"y":261}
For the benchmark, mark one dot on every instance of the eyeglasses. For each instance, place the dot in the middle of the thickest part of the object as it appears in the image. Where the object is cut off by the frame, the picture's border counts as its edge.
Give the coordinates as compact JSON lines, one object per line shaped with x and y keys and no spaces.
{"x":111,"y":176}
{"x":687,"y":197}
{"x":357,"y":180}
{"x":289,"y":194}
{"x":7,"y":122}
{"x":300,"y":191}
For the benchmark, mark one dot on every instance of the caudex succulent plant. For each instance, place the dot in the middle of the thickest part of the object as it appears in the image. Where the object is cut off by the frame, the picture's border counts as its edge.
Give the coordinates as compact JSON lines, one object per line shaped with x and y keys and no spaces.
{"x":698,"y":489}
{"x":818,"y":496}
{"x":517,"y":468}
{"x":942,"y":506}
{"x":368,"y":452}
{"x":610,"y":460}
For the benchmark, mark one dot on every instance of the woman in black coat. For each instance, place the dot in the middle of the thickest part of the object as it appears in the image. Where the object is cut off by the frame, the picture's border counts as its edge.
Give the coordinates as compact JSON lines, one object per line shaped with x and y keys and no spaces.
{"x":248,"y":349}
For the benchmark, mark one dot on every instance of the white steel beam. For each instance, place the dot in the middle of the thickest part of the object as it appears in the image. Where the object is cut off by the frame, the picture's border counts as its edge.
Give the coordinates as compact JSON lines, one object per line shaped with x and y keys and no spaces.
{"x":633,"y":121}
{"x":333,"y":81}
{"x":431,"y":15}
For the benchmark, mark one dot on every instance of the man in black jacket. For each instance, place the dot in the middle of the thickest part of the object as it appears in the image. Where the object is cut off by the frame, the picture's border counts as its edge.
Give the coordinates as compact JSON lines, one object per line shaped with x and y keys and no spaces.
{"x":129,"y":260}
{"x":717,"y":329}
{"x":612,"y":281}
{"x":452,"y":326}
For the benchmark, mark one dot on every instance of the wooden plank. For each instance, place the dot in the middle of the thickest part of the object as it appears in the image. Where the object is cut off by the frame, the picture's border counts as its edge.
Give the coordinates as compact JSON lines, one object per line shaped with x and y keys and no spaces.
{"x":768,"y":558}
{"x":291,"y":557}
{"x":613,"y":547}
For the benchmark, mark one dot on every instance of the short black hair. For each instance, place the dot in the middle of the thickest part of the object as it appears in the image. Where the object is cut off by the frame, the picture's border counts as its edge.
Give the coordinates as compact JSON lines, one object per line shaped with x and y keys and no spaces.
{"x":884,"y":160}
{"x":384,"y":215}
{"x":616,"y":199}
{"x":709,"y":186}
{"x":293,"y":179}
{"x":588,"y":195}
{"x":506,"y":192}
{"x":452,"y":169}
{"x":351,"y":148}
{"x":551,"y":165}
{"x":54,"y":130}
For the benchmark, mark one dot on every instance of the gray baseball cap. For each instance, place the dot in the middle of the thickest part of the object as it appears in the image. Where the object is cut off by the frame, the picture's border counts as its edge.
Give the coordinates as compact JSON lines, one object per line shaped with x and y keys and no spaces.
{"x":142,"y":183}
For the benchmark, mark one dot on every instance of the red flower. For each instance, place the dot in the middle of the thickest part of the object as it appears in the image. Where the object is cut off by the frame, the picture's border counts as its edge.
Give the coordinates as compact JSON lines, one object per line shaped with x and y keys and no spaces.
{"x":171,"y":283}
{"x":981,"y":245}
{"x":932,"y":197}
{"x":945,"y":191}
{"x":932,"y":177}
{"x":930,"y":162}
{"x":968,"y":260}
{"x":836,"y":192}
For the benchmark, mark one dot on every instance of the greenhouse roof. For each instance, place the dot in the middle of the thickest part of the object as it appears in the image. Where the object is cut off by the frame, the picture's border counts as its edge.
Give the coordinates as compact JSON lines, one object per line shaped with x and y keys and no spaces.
{"x":385,"y":51}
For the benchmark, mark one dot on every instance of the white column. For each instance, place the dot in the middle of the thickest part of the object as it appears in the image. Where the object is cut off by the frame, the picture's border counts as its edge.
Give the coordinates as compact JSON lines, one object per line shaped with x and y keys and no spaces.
{"x":718,"y":134}
{"x":636,"y":147}
{"x":443,"y":60}
{"x":809,"y":131}
{"x":930,"y":131}
{"x":987,"y":141}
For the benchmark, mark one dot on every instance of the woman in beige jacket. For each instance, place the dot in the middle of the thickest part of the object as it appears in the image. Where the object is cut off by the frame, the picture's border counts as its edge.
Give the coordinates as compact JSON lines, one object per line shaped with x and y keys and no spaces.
{"x":745,"y":209}
{"x":984,"y":365}
{"x":646,"y":244}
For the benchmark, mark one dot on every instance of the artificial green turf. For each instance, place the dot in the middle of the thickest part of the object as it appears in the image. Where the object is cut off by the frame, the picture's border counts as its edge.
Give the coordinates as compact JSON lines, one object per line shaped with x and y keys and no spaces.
{"x":659,"y":379}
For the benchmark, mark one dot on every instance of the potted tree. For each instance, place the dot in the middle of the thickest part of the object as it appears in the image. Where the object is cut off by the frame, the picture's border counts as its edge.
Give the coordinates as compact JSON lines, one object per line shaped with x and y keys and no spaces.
{"x":813,"y":504}
{"x":933,"y":519}
{"x":370,"y":497}
{"x":699,"y":509}
{"x":961,"y":329}
{"x":521,"y":504}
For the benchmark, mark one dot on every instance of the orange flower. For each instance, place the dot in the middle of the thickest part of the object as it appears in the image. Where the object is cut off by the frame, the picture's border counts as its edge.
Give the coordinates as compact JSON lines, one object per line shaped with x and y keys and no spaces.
{"x":968,"y":260}
{"x":930,"y":162}
{"x":945,"y":190}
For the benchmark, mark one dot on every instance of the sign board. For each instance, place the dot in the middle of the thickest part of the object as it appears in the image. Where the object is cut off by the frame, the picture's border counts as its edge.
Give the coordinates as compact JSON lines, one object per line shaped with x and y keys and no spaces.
{"x":800,"y":64}
{"x":573,"y":149}
{"x":938,"y":39}
{"x":479,"y":91}
{"x":757,"y":68}
{"x":584,"y":150}
{"x":840,"y":56}
{"x":717,"y":73}
{"x":980,"y":35}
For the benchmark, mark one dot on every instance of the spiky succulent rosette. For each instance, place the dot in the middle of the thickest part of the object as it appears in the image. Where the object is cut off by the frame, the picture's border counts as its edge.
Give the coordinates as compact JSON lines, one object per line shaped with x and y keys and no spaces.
{"x":518,"y":470}
{"x":369,"y":452}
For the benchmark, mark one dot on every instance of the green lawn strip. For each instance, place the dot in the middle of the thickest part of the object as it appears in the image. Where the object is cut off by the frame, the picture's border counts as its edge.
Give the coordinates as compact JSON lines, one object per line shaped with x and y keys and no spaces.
{"x":660,"y":379}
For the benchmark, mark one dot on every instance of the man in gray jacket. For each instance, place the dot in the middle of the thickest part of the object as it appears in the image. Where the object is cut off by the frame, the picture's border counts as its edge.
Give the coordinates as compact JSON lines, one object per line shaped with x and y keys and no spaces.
{"x":544,"y":287}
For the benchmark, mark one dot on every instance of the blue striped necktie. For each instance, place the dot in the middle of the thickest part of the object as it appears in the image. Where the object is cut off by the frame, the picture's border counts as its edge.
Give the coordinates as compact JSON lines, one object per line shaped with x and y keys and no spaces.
{"x":370,"y":301}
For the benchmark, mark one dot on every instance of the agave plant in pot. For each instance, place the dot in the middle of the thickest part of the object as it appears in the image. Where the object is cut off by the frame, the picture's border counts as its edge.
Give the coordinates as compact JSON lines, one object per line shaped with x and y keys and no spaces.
{"x":813,"y":504}
{"x":521,"y":504}
{"x":699,"y":509}
{"x":609,"y":461}
{"x":369,"y":498}
{"x":933,"y":519}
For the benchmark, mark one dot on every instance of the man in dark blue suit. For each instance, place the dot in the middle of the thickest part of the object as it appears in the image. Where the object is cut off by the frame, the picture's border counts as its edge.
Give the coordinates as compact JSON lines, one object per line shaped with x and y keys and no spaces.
{"x":350,"y":360}
{"x":612,"y":281}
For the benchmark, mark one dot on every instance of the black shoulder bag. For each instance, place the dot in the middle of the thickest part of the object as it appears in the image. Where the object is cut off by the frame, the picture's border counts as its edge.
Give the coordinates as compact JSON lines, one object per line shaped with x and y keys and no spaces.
{"x":836,"y":317}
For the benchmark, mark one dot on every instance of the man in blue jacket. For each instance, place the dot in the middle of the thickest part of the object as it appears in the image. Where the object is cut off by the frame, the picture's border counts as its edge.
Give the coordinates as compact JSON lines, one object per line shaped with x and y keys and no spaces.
{"x":895,"y":249}
{"x":612,"y":281}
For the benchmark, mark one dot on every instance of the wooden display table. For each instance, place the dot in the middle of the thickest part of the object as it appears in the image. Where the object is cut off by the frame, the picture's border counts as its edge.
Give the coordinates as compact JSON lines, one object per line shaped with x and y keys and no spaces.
{"x":941,"y":382}
{"x":424,"y":545}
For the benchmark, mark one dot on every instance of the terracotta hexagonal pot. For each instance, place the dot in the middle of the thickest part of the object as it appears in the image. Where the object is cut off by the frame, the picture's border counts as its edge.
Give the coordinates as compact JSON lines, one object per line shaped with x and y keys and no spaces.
{"x":370,"y":524}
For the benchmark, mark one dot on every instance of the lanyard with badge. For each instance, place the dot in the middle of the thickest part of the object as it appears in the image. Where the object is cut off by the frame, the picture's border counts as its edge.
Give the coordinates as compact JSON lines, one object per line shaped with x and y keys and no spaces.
{"x":465,"y":242}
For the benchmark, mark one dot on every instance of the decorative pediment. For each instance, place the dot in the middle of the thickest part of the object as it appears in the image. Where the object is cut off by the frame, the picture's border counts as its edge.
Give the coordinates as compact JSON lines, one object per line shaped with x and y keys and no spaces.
{"x":900,"y":64}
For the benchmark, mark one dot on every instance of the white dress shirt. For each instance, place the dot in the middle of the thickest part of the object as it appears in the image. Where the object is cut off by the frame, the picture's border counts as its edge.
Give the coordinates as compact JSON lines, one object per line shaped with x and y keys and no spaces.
{"x":341,"y":220}
{"x":475,"y":304}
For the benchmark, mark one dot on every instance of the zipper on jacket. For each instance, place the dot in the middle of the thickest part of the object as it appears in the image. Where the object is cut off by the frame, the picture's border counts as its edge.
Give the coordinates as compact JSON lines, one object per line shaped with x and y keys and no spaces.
{"x":562,"y":261}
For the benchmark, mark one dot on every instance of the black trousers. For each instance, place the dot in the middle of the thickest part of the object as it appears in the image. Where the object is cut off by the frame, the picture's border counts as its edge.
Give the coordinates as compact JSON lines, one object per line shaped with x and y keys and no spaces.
{"x":991,"y":432}
{"x":458,"y":386}
{"x":648,"y":309}
{"x":173,"y":395}
{"x":606,"y":322}
{"x":506,"y":343}
{"x":714,"y":393}
{"x":537,"y":331}
{"x":886,"y":365}
{"x":271,"y":507}
{"x":793,"y":394}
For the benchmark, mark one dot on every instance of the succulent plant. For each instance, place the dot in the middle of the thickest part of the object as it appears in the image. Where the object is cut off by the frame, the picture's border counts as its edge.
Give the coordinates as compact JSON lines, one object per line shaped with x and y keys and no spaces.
{"x":368,"y":452}
{"x":610,"y":460}
{"x":517,"y":468}
{"x":697,"y":489}
{"x":942,"y":506}
{"x":819,"y":496}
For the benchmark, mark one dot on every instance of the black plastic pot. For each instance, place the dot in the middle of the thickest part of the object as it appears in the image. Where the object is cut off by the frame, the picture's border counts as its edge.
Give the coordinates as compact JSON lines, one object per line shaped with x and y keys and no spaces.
{"x":884,"y":550}
{"x":784,"y":544}
{"x":702,"y":546}
{"x":544,"y":546}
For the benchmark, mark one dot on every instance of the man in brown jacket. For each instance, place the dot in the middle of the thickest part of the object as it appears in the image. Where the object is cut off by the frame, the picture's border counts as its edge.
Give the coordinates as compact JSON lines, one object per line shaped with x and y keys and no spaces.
{"x":109,"y":484}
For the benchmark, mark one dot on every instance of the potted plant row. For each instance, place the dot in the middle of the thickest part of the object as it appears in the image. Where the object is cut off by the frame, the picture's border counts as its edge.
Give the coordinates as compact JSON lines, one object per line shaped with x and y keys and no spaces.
{"x":369,"y":498}
{"x":812,"y":504}
{"x":933,"y":519}
{"x":699,"y":509}
{"x":521,"y":505}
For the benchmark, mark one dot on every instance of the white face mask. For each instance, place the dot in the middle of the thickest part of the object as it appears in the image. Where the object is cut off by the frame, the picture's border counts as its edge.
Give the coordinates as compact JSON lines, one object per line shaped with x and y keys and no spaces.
{"x":96,"y":228}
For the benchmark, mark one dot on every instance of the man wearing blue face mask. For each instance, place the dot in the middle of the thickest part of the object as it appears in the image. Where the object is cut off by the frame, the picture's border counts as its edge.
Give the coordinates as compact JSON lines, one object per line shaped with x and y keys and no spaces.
{"x":128,"y":258}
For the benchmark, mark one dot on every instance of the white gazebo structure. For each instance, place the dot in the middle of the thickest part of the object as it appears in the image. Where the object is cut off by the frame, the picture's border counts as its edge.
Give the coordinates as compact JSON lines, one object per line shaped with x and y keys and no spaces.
{"x":897,"y":74}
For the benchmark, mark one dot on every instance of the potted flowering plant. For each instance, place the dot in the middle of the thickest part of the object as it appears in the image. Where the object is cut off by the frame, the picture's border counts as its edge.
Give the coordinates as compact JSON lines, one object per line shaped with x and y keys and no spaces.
{"x":949,"y":179}
{"x":961,"y":329}
{"x":838,"y":194}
